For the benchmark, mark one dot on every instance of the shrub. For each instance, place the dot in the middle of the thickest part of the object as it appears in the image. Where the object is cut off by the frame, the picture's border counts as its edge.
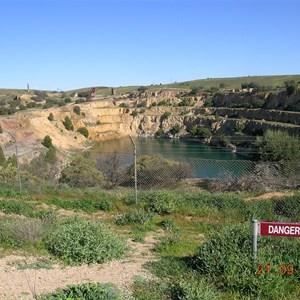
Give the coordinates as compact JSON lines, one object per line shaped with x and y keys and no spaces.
{"x":84,"y":131}
{"x":201,"y":132}
{"x":51,"y":155}
{"x":161,"y":202}
{"x":175,"y":129}
{"x":68,"y":123}
{"x":184,"y":103}
{"x":18,"y":232}
{"x":124,"y":105}
{"x":47,"y":142}
{"x":138,"y":216}
{"x":278,"y":145}
{"x":159,"y":133}
{"x":76,"y":110}
{"x":165,"y":115}
{"x":81,"y":172}
{"x":83,"y":94}
{"x":15,"y":206}
{"x":51,"y":117}
{"x":2,"y":157}
{"x":162,"y":103}
{"x":98,"y":122}
{"x":142,"y":89}
{"x":226,"y":253}
{"x":68,"y":100}
{"x":159,"y":171}
{"x":86,"y":205}
{"x":76,"y":240}
{"x":134,"y":113}
{"x":87,"y":291}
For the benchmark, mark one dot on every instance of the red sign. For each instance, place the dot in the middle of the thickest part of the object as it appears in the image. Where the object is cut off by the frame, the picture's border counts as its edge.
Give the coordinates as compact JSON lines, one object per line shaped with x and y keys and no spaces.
{"x":279,"y":229}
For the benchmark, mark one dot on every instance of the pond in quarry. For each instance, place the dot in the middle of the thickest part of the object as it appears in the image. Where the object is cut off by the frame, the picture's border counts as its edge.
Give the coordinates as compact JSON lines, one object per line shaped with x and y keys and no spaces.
{"x":206,"y":161}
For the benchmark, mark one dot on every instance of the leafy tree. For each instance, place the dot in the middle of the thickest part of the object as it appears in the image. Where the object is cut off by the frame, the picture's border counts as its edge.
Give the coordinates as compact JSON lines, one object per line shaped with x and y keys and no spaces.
{"x":279,"y":146}
{"x":76,"y":110}
{"x":83,"y":131}
{"x":51,"y":117}
{"x":47,"y":142}
{"x":68,"y":123}
{"x":201,"y":132}
{"x":82,"y":172}
{"x":2,"y":157}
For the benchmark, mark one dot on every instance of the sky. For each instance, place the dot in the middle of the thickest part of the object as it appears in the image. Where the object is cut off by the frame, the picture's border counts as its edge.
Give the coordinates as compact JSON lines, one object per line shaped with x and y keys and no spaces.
{"x":69,"y":44}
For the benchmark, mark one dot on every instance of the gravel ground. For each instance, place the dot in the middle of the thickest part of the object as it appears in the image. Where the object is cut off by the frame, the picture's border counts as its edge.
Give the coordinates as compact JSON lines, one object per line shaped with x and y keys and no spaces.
{"x":23,"y":284}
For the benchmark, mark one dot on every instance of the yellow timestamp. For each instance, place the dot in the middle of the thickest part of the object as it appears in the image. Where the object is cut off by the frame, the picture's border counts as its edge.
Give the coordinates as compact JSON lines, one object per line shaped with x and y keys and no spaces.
{"x":283,"y":269}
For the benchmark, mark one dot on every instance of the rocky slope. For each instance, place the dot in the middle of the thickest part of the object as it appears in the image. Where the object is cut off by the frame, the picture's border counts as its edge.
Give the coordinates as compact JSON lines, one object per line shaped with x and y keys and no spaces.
{"x":145,"y":113}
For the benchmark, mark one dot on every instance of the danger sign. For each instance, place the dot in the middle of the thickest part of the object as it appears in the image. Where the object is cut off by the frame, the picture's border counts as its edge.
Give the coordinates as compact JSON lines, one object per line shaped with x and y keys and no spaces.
{"x":279,"y":229}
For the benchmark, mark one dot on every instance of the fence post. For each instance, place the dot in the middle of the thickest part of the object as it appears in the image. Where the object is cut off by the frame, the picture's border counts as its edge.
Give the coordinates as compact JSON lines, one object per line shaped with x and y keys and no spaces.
{"x":254,"y":238}
{"x":135,"y":171}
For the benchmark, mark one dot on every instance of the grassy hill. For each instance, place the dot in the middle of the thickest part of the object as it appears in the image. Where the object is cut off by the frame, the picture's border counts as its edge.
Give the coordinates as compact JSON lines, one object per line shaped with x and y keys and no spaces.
{"x":230,"y":83}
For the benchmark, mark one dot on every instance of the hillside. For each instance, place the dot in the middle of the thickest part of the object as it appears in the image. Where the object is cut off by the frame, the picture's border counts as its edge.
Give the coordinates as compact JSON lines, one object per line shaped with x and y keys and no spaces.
{"x":224,"y":118}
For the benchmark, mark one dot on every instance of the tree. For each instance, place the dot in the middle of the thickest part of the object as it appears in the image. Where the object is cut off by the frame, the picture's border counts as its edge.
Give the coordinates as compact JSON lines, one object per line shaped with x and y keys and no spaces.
{"x":51,"y":117}
{"x":82,"y":172}
{"x":2,"y":157}
{"x":47,"y":142}
{"x":68,"y":123}
{"x":279,"y":146}
{"x":76,"y":110}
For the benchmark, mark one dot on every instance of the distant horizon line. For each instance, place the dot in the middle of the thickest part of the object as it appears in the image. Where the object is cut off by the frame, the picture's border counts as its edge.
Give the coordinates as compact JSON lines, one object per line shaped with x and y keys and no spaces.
{"x":152,"y":84}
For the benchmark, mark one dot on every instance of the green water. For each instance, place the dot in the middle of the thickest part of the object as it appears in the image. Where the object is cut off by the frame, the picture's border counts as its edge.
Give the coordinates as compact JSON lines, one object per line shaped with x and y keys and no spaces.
{"x":207,"y":162}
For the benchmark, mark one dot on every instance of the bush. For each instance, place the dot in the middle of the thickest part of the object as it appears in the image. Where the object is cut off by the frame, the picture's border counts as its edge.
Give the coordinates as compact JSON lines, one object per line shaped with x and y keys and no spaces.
{"x":159,"y":171}
{"x":47,"y":142}
{"x":225,"y":259}
{"x":161,"y":202}
{"x":279,"y":146}
{"x":201,"y":132}
{"x":184,"y":103}
{"x":87,"y":291}
{"x":76,"y":240}
{"x":163,"y":103}
{"x":165,"y":115}
{"x":84,"y":131}
{"x":142,"y":89}
{"x":51,"y":117}
{"x":138,"y":216}
{"x":86,"y":205}
{"x":159,"y":133}
{"x":134,"y":113}
{"x":124,"y":105}
{"x":81,"y":172}
{"x":175,"y":129}
{"x":51,"y":155}
{"x":2,"y":157}
{"x":76,"y":110}
{"x":18,"y":232}
{"x":68,"y":123}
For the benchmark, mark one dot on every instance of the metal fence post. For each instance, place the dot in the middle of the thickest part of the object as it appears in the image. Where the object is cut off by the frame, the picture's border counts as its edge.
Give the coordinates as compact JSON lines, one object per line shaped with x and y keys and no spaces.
{"x":18,"y":165}
{"x":135,"y":171}
{"x":254,"y":238}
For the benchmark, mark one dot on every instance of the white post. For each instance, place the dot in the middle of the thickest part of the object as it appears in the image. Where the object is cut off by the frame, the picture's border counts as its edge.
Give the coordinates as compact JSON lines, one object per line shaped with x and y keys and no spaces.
{"x":255,"y":225}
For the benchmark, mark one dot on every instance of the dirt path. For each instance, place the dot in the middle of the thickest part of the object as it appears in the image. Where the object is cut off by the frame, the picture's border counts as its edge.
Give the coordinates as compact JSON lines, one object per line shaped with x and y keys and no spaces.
{"x":21,"y":284}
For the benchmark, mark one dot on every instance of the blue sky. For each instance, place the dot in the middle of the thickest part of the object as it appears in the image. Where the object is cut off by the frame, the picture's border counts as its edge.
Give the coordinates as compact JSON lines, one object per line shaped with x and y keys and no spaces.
{"x":70,"y":44}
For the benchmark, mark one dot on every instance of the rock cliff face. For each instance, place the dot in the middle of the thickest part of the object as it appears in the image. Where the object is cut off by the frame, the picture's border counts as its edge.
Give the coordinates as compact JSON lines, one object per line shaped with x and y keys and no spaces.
{"x":147,"y":113}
